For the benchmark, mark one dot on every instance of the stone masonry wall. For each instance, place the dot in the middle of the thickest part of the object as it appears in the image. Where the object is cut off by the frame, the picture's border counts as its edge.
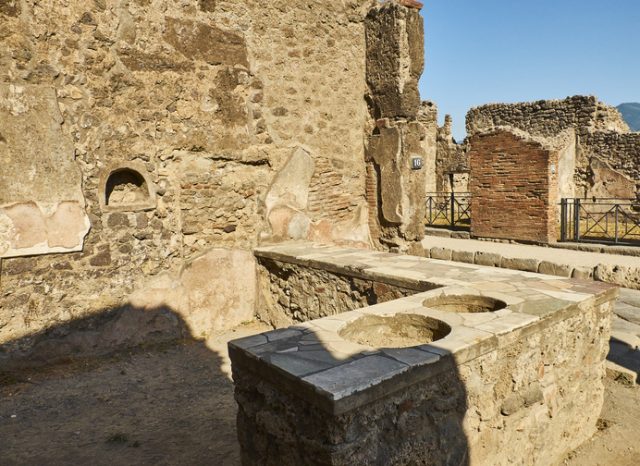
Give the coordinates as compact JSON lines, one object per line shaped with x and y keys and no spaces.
{"x":531,"y":401}
{"x":202,"y":104}
{"x":405,"y":127}
{"x":452,"y":159}
{"x":291,"y":293}
{"x":547,"y":117}
{"x":513,"y":188}
{"x":621,"y":152}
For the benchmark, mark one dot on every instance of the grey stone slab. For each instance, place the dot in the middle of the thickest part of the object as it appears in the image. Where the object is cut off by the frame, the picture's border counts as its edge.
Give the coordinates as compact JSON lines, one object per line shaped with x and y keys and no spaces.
{"x":298,"y":365}
{"x":412,"y":357}
{"x":565,"y":296}
{"x":275,"y":347}
{"x":250,"y":342}
{"x":508,"y":323}
{"x":282,"y":334}
{"x":626,"y":332}
{"x":347,"y":379}
{"x":463,"y":344}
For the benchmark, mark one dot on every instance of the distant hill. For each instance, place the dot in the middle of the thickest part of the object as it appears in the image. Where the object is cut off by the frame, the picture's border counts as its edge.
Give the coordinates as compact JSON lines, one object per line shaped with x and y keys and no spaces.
{"x":631,"y":114}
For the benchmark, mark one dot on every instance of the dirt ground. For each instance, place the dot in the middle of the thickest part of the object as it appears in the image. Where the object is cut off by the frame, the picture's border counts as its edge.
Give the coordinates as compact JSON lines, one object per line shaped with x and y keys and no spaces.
{"x":174,"y":405}
{"x":618,"y":441}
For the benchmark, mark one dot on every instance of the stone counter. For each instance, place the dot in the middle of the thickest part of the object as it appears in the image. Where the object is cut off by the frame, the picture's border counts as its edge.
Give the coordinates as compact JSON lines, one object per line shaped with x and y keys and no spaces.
{"x":450,"y":364}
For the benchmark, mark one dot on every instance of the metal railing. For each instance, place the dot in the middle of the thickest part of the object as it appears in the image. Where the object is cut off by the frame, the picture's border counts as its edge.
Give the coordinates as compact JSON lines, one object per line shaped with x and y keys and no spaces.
{"x":610,"y":221}
{"x":449,"y":210}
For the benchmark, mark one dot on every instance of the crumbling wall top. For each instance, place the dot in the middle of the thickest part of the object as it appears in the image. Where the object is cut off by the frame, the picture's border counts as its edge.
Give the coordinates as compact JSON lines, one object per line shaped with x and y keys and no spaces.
{"x":548,"y":117}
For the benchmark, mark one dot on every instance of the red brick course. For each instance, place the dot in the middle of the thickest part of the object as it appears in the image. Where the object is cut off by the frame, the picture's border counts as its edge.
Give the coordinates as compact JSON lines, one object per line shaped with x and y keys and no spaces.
{"x":514,"y":189}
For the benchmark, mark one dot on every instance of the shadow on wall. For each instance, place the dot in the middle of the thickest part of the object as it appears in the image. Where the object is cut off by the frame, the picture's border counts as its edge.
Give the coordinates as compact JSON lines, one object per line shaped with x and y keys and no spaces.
{"x":156,"y":395}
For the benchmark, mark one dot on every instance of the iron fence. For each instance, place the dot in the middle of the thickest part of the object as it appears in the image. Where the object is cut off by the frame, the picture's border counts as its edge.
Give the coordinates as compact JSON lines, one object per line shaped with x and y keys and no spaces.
{"x":611,"y":221}
{"x":449,"y":210}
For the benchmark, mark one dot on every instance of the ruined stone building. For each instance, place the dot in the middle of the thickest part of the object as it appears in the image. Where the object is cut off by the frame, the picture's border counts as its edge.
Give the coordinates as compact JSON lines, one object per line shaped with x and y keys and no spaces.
{"x":148,"y":146}
{"x":524,"y":158}
{"x":520,"y":160}
{"x":452,"y":161}
{"x":607,"y":153}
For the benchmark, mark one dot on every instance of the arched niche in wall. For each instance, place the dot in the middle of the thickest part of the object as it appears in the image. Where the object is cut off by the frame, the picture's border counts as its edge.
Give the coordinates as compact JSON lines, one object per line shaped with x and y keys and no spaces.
{"x":126,"y":188}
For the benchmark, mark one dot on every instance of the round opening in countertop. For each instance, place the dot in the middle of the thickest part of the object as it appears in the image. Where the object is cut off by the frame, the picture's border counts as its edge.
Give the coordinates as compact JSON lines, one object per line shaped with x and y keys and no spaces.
{"x":464,"y":303}
{"x":397,"y":331}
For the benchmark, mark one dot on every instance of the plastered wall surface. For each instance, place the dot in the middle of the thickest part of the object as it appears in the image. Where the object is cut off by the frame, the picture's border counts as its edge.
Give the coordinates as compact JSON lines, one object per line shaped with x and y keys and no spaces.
{"x":159,"y":134}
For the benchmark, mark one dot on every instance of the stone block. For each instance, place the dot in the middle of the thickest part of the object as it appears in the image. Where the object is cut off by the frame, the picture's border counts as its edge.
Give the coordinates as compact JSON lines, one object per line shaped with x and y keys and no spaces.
{"x":438,"y":232}
{"x":621,"y":374}
{"x":395,"y":60}
{"x":463,"y":256}
{"x":488,"y":258}
{"x":582,"y":273}
{"x":527,"y":265}
{"x":460,"y":234}
{"x":552,"y":268}
{"x":624,"y":276}
{"x":443,"y":254}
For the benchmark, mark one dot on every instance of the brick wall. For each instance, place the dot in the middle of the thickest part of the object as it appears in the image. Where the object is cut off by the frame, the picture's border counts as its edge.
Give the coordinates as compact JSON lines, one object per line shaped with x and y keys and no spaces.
{"x":514,"y":193}
{"x":335,"y":191}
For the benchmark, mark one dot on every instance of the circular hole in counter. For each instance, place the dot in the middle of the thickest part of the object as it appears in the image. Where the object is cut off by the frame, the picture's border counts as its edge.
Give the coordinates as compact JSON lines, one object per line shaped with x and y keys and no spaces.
{"x":397,"y":331}
{"x":464,"y":303}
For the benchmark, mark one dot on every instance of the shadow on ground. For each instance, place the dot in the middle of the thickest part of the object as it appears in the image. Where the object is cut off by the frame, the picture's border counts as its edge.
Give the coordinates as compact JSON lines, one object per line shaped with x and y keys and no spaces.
{"x":624,"y":355}
{"x":169,"y":401}
{"x":162,"y":398}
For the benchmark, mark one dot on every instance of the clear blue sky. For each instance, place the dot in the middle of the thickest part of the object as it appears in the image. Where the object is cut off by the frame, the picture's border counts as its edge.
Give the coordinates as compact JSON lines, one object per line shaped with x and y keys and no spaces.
{"x":485,"y":51}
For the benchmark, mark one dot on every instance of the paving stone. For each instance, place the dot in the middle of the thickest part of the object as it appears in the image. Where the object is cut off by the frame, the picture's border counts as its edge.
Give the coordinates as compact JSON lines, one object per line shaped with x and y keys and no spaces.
{"x":631,"y":297}
{"x":627,"y":312}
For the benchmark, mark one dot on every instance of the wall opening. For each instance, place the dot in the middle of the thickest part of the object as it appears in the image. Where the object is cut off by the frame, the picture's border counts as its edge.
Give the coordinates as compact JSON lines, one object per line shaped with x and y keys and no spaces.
{"x":127,"y":189}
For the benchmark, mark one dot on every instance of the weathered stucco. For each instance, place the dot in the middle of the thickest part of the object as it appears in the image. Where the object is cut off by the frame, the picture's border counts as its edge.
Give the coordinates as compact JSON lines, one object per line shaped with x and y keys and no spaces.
{"x":206,"y":103}
{"x":41,"y":200}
